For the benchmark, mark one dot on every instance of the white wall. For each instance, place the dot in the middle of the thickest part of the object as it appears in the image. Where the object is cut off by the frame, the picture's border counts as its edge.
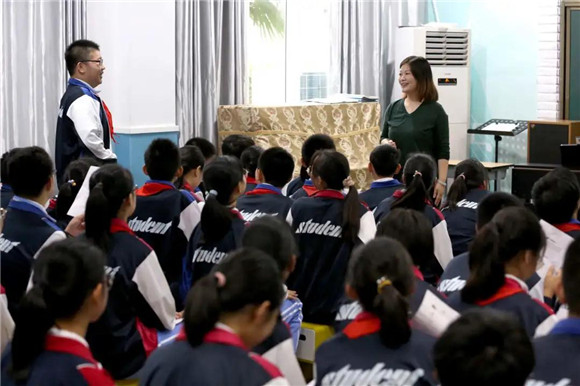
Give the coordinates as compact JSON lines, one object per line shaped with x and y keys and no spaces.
{"x":549,"y":60}
{"x":137,"y":39}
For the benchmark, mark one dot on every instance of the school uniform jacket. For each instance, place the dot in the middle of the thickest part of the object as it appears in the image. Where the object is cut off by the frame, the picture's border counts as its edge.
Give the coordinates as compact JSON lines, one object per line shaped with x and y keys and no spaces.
{"x":6,"y":194}
{"x":512,"y":297}
{"x":66,"y":360}
{"x":321,"y":268}
{"x":83,"y":127}
{"x":379,"y":191}
{"x":27,"y":230}
{"x":140,"y":303}
{"x":202,"y":256}
{"x":442,"y":249}
{"x":571,"y":228}
{"x":264,"y":200}
{"x":165,"y":218}
{"x":306,"y":190}
{"x":222,"y":359}
{"x":557,"y":356}
{"x":293,"y":186}
{"x":192,"y":194}
{"x":251,"y":184}
{"x":462,"y":220}
{"x":358,"y":357}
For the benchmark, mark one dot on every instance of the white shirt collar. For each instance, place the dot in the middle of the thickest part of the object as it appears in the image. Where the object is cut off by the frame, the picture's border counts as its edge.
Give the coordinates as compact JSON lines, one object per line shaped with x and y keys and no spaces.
{"x":384,"y":179}
{"x":518,"y":280}
{"x":33,"y":203}
{"x":223,"y":326}
{"x":55,"y":331}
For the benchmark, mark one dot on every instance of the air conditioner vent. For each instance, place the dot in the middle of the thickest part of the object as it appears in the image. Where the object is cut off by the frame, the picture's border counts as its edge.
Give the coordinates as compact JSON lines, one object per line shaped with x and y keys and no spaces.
{"x":445,"y":48}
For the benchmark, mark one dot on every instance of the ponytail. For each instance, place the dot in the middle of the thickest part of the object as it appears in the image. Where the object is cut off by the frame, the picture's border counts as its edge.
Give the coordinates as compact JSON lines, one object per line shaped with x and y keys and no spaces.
{"x":469,"y":174}
{"x":221,"y":177}
{"x":418,"y":175}
{"x":109,"y":187}
{"x":381,"y":274}
{"x":65,"y":273}
{"x":313,"y":144}
{"x":351,"y":216}
{"x":246,"y":277}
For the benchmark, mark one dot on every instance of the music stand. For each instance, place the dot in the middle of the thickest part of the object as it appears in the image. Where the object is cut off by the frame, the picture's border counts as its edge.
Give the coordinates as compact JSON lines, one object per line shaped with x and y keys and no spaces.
{"x":499,"y":128}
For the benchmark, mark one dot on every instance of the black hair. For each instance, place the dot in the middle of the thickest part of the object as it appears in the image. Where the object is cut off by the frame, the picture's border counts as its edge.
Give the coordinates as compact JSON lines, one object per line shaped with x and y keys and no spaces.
{"x":252,"y":278}
{"x":555,"y":196}
{"x":570,"y":275}
{"x":385,"y":159}
{"x":273,"y":236}
{"x":492,"y":204}
{"x":222,"y":176}
{"x":29,"y":169}
{"x":371,"y":267}
{"x":469,"y":174}
{"x":162,"y":159}
{"x":235,"y":144}
{"x":64,"y":274}
{"x":484,"y":347}
{"x":190,"y":158}
{"x":78,"y":51}
{"x":207,"y":148}
{"x":250,"y":158}
{"x":109,"y":187}
{"x":511,"y":231}
{"x":312,"y":144}
{"x":418,"y":175}
{"x":4,"y":177}
{"x":277,"y":166}
{"x":73,"y":178}
{"x":333,"y":168}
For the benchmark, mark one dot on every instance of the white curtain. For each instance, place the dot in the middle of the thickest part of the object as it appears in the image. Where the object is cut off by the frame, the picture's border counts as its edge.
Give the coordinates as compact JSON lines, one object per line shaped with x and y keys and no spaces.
{"x":35,"y":34}
{"x":363,"y":57}
{"x":211,"y":67}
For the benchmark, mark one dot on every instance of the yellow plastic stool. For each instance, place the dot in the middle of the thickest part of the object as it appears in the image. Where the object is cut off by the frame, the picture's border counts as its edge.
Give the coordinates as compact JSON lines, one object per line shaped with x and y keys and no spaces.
{"x":311,"y":337}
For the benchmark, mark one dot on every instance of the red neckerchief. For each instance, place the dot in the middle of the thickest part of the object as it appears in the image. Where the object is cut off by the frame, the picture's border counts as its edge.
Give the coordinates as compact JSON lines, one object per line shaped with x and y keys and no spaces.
{"x":118,"y":225}
{"x":365,"y":323}
{"x":188,"y":187}
{"x":509,"y":288}
{"x":251,"y":180}
{"x":70,"y":346}
{"x":153,"y":188}
{"x":310,"y":190}
{"x":568,"y":227}
{"x":418,"y":274}
{"x":330,"y":194}
{"x":236,"y":213}
{"x":217,"y":335}
{"x":260,"y":191}
{"x":110,"y":119}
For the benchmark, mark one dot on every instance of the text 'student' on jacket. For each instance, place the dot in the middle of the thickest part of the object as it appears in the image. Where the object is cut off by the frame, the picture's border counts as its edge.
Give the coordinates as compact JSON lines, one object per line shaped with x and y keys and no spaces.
{"x":264,"y":200}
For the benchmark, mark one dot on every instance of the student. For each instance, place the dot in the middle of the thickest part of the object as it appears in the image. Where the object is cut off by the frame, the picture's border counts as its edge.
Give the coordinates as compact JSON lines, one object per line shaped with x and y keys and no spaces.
{"x":457,"y":272}
{"x":221,"y":226}
{"x":482,"y":348}
{"x":49,"y":346}
{"x":503,"y":255}
{"x":275,"y":168}
{"x":6,"y":321}
{"x":164,"y":217}
{"x":469,"y":188}
{"x":556,"y":198}
{"x":383,"y":165}
{"x":140,"y":301}
{"x":557,"y":353}
{"x":273,"y":236}
{"x":192,"y":161}
{"x":309,"y":147}
{"x":27,"y":227}
{"x":379,"y":346}
{"x":73,"y":178}
{"x":249,"y":160}
{"x":418,"y":177}
{"x":327,"y":226}
{"x":235,"y":144}
{"x":6,"y":192}
{"x":207,"y":148}
{"x":226,"y":313}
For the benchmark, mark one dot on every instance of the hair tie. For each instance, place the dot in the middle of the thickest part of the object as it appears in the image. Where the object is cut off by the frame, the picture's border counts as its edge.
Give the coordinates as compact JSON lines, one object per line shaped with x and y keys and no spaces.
{"x":72,"y":182}
{"x":462,"y":175}
{"x":221,"y":279}
{"x":347,"y":182}
{"x":382,"y":283}
{"x":418,"y":172}
{"x":211,"y":193}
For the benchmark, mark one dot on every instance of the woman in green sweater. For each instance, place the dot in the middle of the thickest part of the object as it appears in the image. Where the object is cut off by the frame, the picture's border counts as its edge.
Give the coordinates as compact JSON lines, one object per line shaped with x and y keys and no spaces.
{"x":417,"y":123}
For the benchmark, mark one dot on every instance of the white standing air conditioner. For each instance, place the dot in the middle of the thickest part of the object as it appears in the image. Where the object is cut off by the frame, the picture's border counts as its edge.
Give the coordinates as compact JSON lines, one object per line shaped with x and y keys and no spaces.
{"x":448,"y":51}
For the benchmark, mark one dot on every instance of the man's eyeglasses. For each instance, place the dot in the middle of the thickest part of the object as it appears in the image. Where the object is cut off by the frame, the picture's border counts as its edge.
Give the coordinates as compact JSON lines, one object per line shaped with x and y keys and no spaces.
{"x":100,"y":61}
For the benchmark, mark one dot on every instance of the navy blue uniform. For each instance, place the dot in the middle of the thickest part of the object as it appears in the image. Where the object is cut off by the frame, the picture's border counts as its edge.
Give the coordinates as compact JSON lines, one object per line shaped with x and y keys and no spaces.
{"x":27,"y":230}
{"x":512,"y":298}
{"x":165,"y":218}
{"x":6,"y":195}
{"x":66,"y":360}
{"x":251,"y":184}
{"x":455,"y":275}
{"x":140,"y":303}
{"x":265,"y":199}
{"x":293,"y":186}
{"x":306,"y":190}
{"x":557,"y":356}
{"x":358,"y":357}
{"x":571,"y":228}
{"x":379,"y":191}
{"x":202,"y":256}
{"x":323,"y":254}
{"x":221,"y":360}
{"x":461,"y":221}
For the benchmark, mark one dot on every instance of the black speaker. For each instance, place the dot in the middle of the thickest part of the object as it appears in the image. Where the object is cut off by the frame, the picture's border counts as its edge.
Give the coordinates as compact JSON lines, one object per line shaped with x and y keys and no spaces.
{"x":545,"y":138}
{"x":524,"y":176}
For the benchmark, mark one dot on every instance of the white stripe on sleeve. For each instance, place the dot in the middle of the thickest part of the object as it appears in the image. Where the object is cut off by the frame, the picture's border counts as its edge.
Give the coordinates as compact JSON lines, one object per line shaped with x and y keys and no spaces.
{"x":368,"y":228}
{"x":53,"y":238}
{"x":154,"y":288}
{"x":289,"y":218}
{"x":546,"y":326}
{"x":442,"y":244}
{"x":189,"y":218}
